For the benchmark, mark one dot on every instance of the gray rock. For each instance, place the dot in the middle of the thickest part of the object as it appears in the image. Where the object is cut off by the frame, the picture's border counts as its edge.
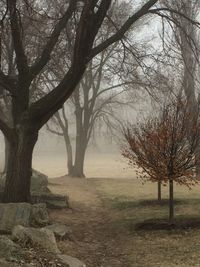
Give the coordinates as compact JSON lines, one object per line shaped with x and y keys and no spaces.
{"x":40,"y":192}
{"x":72,"y":262}
{"x":39,"y":182}
{"x":60,"y":231}
{"x":43,"y":238}
{"x":8,"y":249}
{"x":12,"y":214}
{"x":24,"y":214}
{"x":51,"y":200}
{"x":39,"y":215}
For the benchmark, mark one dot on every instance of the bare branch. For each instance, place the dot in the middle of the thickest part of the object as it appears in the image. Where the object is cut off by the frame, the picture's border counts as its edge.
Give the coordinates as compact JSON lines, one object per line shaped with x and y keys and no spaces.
{"x":144,"y":10}
{"x":54,"y":131}
{"x":157,"y":11}
{"x":21,"y":58}
{"x":46,"y":53}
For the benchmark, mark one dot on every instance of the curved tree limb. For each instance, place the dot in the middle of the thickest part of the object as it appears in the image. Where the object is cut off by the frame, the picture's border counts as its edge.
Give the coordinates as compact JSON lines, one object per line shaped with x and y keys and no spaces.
{"x":144,"y":10}
{"x":43,"y":59}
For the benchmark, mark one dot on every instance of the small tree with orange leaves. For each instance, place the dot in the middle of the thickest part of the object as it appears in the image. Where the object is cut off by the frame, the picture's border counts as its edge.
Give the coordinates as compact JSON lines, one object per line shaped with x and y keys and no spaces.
{"x":163,"y":147}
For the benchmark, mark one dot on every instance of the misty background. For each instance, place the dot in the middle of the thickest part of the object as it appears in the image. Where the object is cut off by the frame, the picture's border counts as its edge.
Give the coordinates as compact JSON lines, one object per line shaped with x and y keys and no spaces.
{"x":103,"y":157}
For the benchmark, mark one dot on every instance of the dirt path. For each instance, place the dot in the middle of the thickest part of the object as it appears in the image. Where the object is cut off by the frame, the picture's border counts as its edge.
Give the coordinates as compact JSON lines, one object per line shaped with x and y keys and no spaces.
{"x":95,"y":241}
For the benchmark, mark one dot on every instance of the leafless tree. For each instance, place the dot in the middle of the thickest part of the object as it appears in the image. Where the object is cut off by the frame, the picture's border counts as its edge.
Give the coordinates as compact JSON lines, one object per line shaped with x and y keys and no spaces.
{"x":100,"y":88}
{"x":28,"y":116}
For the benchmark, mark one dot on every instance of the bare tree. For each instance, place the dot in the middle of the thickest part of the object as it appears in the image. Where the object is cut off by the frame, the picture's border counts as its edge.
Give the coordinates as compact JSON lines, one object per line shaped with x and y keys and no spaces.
{"x":185,"y":39}
{"x":29,"y":116}
{"x":99,"y":89}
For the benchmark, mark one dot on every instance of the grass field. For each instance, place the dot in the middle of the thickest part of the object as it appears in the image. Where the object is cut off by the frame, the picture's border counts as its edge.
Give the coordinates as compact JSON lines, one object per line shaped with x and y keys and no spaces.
{"x":131,"y":203}
{"x":108,"y":211}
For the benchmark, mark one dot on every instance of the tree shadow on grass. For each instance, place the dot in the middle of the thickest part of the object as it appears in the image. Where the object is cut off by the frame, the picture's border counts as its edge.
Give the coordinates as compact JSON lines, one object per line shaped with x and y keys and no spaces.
{"x":123,"y":204}
{"x":140,"y":214}
{"x":180,"y":223}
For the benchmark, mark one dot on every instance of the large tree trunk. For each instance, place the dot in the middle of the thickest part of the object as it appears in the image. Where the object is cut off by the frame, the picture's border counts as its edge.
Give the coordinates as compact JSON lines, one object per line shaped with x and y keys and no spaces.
{"x":197,"y":162}
{"x":171,"y":201}
{"x":6,"y":154}
{"x":19,"y":168}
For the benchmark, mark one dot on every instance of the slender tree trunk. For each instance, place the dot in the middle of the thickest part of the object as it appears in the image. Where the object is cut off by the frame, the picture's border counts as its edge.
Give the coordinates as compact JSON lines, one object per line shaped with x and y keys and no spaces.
{"x":171,"y":201}
{"x":6,"y":155}
{"x":159,"y":191}
{"x":81,"y":145}
{"x":187,"y":32}
{"x":19,"y":168}
{"x":69,"y":154}
{"x":78,"y":168}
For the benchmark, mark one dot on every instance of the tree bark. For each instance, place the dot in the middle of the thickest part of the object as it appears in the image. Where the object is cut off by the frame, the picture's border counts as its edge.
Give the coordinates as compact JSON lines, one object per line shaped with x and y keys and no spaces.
{"x":78,"y":168}
{"x":81,"y":143}
{"x":197,"y":162}
{"x":159,"y":191}
{"x":171,"y":201}
{"x":19,"y":168}
{"x":69,"y":153}
{"x":6,"y":154}
{"x":188,"y":38}
{"x":21,"y":139}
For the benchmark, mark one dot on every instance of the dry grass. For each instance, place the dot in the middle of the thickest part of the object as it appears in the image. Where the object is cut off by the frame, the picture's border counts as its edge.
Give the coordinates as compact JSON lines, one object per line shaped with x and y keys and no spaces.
{"x":104,"y":219}
{"x":132,"y":203}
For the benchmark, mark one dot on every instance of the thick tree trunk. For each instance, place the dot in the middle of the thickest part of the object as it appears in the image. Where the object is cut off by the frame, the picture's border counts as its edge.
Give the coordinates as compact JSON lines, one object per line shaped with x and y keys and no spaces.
{"x":6,"y":155}
{"x":159,"y":191}
{"x":171,"y":201}
{"x":197,"y":162}
{"x":78,"y":168}
{"x":19,"y":168}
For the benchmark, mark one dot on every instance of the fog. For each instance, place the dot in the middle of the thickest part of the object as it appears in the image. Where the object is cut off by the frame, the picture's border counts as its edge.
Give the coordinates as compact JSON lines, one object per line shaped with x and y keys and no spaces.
{"x":103,"y":159}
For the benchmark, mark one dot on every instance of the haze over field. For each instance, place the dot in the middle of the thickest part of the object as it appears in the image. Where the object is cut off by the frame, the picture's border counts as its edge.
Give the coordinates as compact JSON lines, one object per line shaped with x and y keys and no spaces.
{"x":102,"y":161}
{"x":100,"y":133}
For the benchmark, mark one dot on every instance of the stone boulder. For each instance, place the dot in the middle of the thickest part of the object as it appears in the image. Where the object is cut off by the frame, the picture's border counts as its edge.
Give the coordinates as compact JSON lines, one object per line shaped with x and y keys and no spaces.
{"x":39,"y":215}
{"x":42,"y":238}
{"x":39,"y":182}
{"x":24,"y":214}
{"x":60,"y":231}
{"x":12,"y":214}
{"x":71,"y":261}
{"x":52,"y":200}
{"x":8,"y":249}
{"x":40,"y":192}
